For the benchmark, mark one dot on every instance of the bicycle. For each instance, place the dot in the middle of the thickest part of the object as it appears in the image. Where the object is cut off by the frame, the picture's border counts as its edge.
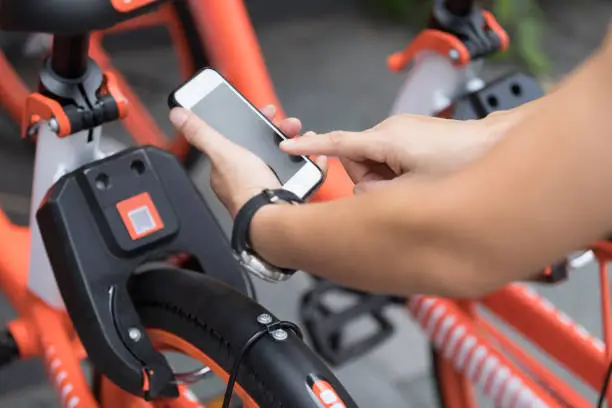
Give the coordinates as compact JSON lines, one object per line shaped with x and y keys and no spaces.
{"x":453,"y":326}
{"x":95,"y":288}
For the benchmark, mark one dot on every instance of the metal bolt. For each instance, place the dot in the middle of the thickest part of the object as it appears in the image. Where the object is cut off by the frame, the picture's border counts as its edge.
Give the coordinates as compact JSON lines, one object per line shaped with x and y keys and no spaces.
{"x":280,"y":335}
{"x":54,"y":125}
{"x":264,"y":318}
{"x":33,"y":129}
{"x":474,"y":85}
{"x":453,"y":54}
{"x":134,"y":334}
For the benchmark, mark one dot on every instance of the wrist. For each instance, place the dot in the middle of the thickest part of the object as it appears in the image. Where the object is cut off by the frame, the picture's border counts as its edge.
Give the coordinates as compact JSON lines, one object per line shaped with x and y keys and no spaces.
{"x":242,"y":244}
{"x":267,"y":229}
{"x":493,"y":128}
{"x":498,"y":123}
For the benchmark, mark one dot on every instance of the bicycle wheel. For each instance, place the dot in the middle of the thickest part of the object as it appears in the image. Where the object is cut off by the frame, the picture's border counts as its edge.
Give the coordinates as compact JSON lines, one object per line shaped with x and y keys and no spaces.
{"x":210,"y":322}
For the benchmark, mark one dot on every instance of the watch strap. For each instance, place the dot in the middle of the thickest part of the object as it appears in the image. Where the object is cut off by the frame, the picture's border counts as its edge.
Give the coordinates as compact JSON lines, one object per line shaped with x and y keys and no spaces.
{"x":240,"y":231}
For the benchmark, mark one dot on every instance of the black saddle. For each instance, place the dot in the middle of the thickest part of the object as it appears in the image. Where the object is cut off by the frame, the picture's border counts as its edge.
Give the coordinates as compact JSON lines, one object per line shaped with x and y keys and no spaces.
{"x":68,"y":16}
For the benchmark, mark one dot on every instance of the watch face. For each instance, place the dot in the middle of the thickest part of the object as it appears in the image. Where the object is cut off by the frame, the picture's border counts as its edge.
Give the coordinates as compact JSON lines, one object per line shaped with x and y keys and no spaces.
{"x":262,"y":269}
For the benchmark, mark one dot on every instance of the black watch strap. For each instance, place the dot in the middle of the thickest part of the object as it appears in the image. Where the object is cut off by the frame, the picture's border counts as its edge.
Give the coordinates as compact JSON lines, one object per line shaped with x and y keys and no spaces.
{"x":242,"y":223}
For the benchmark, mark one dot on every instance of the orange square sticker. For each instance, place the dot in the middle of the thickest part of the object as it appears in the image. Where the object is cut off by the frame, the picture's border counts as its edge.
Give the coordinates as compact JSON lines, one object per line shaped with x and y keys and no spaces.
{"x":139,"y":216}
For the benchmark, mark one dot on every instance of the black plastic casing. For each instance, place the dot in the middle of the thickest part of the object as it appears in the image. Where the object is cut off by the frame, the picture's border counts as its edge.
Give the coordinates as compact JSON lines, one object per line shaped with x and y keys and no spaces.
{"x":93,"y":254}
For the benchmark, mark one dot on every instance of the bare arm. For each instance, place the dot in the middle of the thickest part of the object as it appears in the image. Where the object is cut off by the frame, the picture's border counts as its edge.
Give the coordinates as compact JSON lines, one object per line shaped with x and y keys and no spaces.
{"x":544,"y":190}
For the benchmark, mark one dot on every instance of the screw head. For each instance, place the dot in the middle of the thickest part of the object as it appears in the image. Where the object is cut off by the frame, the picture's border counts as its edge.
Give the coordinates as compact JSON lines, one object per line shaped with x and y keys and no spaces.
{"x":264,"y":318}
{"x":280,"y":335}
{"x":33,"y":129}
{"x":453,"y":54}
{"x":54,"y":125}
{"x":134,"y":334}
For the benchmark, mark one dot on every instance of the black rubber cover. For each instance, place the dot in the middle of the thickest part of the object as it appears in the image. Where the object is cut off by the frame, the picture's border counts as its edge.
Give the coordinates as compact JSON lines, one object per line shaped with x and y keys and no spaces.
{"x":219,"y":320}
{"x":61,"y":16}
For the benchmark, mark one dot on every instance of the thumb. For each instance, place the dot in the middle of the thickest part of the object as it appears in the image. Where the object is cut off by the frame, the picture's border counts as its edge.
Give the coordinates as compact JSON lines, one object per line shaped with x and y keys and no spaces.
{"x":365,"y":186}
{"x":200,"y":134}
{"x":369,"y":185}
{"x":322,"y":163}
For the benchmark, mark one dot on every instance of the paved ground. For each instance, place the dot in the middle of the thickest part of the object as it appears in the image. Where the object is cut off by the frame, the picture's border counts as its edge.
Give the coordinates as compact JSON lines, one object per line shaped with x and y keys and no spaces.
{"x":327,"y":60}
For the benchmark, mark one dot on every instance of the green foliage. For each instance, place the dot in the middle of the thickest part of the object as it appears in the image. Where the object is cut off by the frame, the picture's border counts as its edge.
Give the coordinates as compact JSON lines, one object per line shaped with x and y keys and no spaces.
{"x":522,"y":19}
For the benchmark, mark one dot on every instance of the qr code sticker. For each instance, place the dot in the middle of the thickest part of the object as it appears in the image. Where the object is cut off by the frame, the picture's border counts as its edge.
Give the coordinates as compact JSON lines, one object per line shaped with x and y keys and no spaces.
{"x":142,"y":220}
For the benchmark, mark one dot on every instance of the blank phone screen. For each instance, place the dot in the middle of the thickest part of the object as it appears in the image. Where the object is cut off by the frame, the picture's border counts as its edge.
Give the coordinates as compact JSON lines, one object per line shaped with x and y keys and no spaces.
{"x":227,"y":113}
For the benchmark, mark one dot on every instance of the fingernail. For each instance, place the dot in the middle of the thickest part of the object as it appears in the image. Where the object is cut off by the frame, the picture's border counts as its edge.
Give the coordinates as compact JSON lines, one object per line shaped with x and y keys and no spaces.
{"x":178,"y":117}
{"x":310,"y":133}
{"x":287,"y":143}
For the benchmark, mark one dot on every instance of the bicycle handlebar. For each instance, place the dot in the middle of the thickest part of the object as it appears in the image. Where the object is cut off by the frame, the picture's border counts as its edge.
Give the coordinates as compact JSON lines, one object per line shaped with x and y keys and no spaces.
{"x":68,"y":16}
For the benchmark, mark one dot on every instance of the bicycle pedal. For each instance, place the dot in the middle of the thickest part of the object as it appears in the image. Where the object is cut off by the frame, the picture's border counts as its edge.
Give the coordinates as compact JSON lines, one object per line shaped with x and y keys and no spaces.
{"x":554,"y":273}
{"x":329,"y":328}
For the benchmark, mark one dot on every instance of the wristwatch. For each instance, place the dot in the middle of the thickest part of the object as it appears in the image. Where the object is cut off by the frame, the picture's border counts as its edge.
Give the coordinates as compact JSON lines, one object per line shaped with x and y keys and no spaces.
{"x":240,"y":235}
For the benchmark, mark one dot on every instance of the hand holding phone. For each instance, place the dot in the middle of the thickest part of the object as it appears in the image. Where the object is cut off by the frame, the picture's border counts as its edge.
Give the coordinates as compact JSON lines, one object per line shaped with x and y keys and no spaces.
{"x":240,"y":140}
{"x":236,"y":174}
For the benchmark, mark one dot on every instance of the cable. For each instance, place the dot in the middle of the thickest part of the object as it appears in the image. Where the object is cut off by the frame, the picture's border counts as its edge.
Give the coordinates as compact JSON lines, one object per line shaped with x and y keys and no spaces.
{"x":266,"y":329}
{"x":604,"y":388}
{"x":250,"y":285}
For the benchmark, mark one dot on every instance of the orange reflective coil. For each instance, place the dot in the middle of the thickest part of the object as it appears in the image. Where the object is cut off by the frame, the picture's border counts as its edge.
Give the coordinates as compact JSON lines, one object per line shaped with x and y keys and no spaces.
{"x":125,"y":6}
{"x":140,"y":216}
{"x":326,"y":395}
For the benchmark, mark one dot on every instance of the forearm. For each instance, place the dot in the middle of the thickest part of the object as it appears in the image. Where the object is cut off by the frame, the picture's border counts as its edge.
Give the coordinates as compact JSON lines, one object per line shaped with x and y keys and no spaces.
{"x":542,"y":192}
{"x":392,"y":240}
{"x":546,"y":189}
{"x":498,"y":123}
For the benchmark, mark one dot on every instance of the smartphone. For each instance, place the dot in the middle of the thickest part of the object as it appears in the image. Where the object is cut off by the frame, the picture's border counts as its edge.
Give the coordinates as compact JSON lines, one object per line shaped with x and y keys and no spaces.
{"x":211,"y":97}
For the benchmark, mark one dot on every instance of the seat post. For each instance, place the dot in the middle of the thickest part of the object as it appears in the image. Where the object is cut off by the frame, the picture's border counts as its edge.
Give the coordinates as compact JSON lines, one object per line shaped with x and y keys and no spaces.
{"x":70,"y":55}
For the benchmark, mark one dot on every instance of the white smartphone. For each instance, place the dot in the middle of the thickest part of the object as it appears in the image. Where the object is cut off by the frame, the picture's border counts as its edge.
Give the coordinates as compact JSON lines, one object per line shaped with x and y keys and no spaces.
{"x":220,"y":105}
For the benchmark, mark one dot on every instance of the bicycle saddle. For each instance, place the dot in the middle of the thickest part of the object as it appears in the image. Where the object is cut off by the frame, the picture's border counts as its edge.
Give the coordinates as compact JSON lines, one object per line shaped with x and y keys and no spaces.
{"x":68,"y":16}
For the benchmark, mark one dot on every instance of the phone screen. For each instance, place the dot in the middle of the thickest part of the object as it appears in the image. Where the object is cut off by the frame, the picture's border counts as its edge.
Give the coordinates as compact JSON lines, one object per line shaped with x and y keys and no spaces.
{"x":233,"y":118}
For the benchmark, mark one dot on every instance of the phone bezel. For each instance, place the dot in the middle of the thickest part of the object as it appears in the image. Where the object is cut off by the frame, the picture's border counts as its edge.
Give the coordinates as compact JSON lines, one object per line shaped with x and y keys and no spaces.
{"x":303,"y":183}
